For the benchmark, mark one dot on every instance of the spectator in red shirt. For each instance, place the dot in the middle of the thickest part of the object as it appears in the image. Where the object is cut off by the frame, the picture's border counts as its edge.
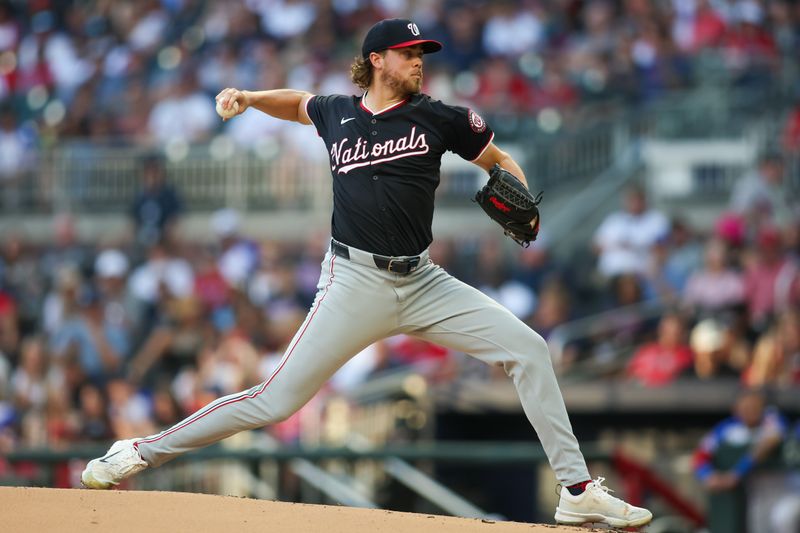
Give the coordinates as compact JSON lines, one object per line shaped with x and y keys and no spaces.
{"x":9,"y":329}
{"x":708,"y":27}
{"x":500,"y":88}
{"x":769,"y":278}
{"x":747,"y":45}
{"x":658,"y":363}
{"x":553,"y":88}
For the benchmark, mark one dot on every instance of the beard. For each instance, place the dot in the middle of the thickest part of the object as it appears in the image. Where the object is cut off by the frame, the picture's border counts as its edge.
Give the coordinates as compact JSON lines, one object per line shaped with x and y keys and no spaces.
{"x":405,"y":87}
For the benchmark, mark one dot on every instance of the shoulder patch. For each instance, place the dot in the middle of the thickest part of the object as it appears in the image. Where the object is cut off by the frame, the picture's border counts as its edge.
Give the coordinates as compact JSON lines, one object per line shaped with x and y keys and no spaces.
{"x":476,"y":122}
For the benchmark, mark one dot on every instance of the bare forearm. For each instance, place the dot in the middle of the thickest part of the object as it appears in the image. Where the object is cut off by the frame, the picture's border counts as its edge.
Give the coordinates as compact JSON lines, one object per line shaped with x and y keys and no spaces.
{"x":493,"y":155}
{"x":279,"y":103}
{"x":509,"y":164}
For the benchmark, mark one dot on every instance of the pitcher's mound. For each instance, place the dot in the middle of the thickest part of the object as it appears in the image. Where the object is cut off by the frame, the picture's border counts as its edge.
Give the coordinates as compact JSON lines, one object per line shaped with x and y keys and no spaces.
{"x":32,"y":510}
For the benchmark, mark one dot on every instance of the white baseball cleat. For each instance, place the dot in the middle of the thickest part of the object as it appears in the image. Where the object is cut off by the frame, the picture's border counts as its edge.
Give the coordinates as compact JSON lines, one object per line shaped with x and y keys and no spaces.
{"x":596,"y":505}
{"x":122,"y":460}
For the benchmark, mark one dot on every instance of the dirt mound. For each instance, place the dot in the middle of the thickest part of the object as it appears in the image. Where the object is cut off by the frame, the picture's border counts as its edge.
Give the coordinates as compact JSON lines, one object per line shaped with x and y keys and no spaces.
{"x":66,"y":511}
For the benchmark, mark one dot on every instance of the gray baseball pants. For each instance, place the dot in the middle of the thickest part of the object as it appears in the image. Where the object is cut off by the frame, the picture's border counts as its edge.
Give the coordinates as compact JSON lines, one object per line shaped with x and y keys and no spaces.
{"x":358,"y":304}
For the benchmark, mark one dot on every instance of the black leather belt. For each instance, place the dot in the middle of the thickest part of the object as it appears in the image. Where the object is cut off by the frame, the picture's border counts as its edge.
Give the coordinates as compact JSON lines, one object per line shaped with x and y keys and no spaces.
{"x":405,"y":265}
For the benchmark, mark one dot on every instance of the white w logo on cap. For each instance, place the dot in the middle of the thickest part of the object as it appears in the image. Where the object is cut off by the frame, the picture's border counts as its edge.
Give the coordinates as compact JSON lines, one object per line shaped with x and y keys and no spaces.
{"x":413,"y":28}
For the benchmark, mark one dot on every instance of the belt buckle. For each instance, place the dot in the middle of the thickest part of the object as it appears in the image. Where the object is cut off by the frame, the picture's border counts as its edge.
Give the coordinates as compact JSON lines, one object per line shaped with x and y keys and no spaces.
{"x":409,"y":264}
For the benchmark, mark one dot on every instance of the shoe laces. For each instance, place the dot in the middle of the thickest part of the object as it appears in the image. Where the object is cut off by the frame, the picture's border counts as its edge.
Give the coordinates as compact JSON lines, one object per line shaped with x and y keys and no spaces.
{"x":597,"y":485}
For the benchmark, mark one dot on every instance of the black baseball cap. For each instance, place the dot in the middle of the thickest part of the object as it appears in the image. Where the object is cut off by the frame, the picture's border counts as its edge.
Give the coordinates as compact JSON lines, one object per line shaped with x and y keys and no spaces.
{"x":396,"y":33}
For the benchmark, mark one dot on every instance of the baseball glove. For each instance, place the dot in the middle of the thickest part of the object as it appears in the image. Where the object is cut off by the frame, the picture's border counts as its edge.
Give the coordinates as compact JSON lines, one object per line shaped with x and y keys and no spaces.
{"x":509,"y":203}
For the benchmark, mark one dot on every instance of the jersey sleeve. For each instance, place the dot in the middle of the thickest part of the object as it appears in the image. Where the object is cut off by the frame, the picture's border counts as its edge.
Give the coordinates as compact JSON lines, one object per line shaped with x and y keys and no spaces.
{"x":468,"y":134}
{"x":322,"y":110}
{"x":704,"y":454}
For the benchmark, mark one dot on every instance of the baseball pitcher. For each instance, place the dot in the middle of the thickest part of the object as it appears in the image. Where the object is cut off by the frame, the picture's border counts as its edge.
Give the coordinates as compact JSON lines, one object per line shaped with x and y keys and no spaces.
{"x":377,"y":280}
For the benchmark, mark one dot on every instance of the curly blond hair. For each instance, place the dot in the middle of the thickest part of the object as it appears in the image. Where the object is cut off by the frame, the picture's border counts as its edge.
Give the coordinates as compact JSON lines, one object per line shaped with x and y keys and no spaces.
{"x":361,"y":71}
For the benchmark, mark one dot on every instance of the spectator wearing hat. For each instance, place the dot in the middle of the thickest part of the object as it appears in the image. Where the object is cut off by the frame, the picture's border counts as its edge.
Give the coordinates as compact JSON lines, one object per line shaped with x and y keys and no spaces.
{"x":720,"y":350}
{"x":111,"y":265}
{"x":158,"y":205}
{"x":731,"y":228}
{"x":120,"y":309}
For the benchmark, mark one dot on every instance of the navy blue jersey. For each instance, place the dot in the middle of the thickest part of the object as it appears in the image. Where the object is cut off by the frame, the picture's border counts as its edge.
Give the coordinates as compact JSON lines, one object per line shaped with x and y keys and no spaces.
{"x":385,"y":166}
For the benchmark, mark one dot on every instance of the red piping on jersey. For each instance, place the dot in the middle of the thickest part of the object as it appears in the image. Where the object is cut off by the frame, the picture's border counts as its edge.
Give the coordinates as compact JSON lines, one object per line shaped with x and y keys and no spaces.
{"x":373,"y":113}
{"x":484,"y":149}
{"x":305,"y":106}
{"x":245,"y":396}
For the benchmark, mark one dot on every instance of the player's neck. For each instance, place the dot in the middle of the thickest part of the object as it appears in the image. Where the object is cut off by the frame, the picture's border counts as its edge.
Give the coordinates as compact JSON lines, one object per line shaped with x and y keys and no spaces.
{"x":380,"y":97}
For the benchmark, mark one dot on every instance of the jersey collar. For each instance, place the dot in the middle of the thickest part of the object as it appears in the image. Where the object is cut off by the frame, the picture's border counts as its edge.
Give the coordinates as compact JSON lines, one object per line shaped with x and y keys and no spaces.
{"x":363,"y":105}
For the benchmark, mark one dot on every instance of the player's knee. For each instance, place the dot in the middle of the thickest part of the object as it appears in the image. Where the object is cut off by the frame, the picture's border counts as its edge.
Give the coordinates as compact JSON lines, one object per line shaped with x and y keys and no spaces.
{"x":279,"y":413}
{"x":535,"y":350}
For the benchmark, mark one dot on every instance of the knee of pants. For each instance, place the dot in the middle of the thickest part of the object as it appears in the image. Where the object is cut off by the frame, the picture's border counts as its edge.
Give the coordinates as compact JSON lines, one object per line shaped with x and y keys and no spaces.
{"x":532,"y":350}
{"x":280,"y":411}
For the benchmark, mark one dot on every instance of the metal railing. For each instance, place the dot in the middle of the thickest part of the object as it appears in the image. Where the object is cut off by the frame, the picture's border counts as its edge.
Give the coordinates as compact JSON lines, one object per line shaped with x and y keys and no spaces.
{"x":95,"y":178}
{"x":84,"y":177}
{"x":601,"y":324}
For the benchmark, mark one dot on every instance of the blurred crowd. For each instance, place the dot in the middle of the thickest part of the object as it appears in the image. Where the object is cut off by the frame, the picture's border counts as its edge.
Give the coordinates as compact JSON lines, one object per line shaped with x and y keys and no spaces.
{"x":122,"y":338}
{"x":731,"y":295}
{"x":147,"y":71}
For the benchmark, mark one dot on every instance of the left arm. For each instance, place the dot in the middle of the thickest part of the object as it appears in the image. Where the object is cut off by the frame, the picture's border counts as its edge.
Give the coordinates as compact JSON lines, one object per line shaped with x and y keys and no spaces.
{"x":493,"y":155}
